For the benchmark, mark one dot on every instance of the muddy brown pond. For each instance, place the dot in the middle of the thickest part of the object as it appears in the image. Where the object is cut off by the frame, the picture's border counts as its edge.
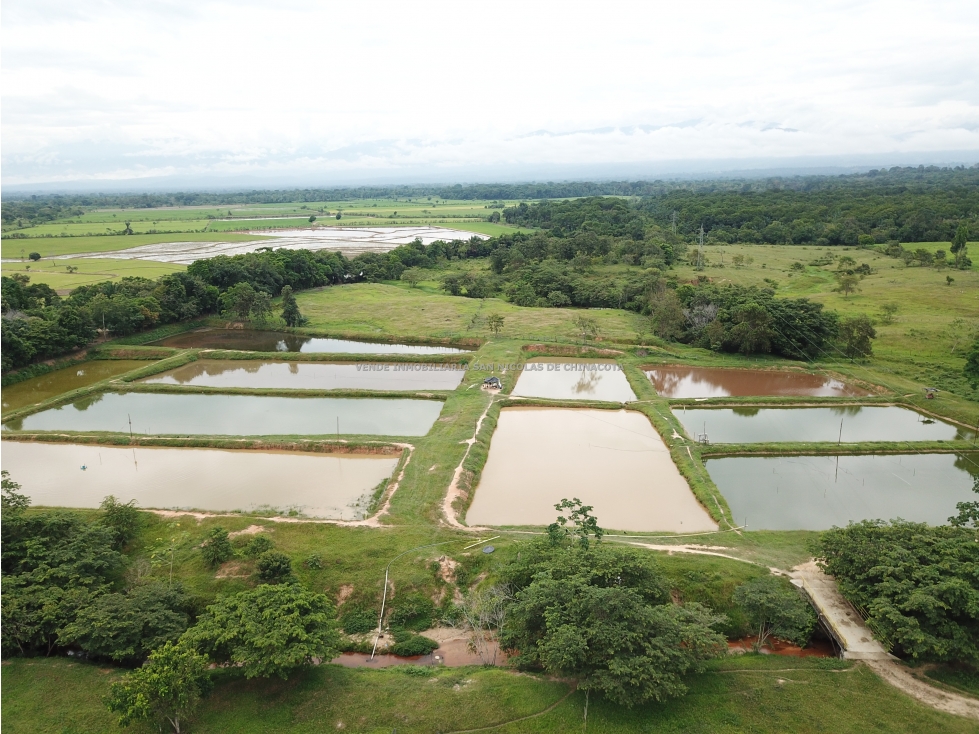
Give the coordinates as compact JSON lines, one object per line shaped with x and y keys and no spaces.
{"x":236,"y":415}
{"x":313,"y":375}
{"x":574,"y":379}
{"x":612,"y":460}
{"x":38,"y":389}
{"x":281,"y":341}
{"x":846,"y":424}
{"x":711,"y":382}
{"x":319,"y":485}
{"x":818,"y":492}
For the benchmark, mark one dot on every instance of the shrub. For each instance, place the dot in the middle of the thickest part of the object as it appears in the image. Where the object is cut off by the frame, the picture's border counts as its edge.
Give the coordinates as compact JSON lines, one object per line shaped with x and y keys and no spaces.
{"x":217,"y":548}
{"x":413,"y":612}
{"x":408,"y":644}
{"x":313,"y":561}
{"x":273,"y":566}
{"x":358,"y":620}
{"x":258,"y":545}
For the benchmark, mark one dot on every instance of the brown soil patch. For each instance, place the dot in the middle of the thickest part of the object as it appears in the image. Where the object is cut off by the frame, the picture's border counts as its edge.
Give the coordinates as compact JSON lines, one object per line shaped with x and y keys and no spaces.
{"x":568,"y":351}
{"x":250,"y":530}
{"x":345,"y":591}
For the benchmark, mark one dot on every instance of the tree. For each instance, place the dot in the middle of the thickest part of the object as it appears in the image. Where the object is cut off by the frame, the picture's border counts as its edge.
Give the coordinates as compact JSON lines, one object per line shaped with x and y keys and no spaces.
{"x":916,"y":582}
{"x":971,"y":370}
{"x":124,"y":519}
{"x":776,"y":609}
{"x":968,"y":511}
{"x":290,"y":309}
{"x":126,"y":627}
{"x":887,"y":312}
{"x":169,"y":687}
{"x":578,"y":526}
{"x":11,"y":501}
{"x":586,"y":327}
{"x":949,"y":280}
{"x":35,"y":256}
{"x":270,"y":630}
{"x":495,"y":323}
{"x":751,"y":332}
{"x":603,"y":616}
{"x":413,"y":276}
{"x":959,"y":247}
{"x":848,"y":284}
{"x":273,"y":566}
{"x":312,"y":218}
{"x":484,"y":613}
{"x":216,"y":549}
{"x":856,"y":336}
{"x":238,"y":300}
{"x":339,"y":215}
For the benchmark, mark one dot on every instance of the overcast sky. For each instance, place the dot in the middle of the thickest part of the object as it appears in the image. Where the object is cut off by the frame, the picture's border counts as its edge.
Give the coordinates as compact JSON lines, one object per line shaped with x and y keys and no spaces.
{"x":334,"y":92}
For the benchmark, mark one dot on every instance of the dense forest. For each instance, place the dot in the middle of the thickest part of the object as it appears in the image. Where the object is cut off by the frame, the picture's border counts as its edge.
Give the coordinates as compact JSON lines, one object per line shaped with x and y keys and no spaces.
{"x":910,"y":204}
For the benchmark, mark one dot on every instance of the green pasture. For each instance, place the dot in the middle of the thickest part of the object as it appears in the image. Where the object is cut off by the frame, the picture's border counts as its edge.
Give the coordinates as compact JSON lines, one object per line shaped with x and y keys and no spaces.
{"x":90,"y":270}
{"x":751,"y":693}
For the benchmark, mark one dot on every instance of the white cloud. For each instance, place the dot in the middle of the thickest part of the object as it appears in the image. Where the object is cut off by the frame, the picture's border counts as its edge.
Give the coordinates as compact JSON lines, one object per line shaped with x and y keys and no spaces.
{"x":116,"y":90}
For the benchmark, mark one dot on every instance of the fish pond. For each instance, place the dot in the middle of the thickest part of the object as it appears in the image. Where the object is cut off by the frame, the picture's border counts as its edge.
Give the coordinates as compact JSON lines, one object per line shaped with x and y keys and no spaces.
{"x":846,"y":424}
{"x":713,"y":382}
{"x":574,"y":379}
{"x":236,"y":415}
{"x":319,"y":485}
{"x":312,"y":375}
{"x":281,"y":341}
{"x":818,"y":492}
{"x":39,"y":389}
{"x":612,"y":460}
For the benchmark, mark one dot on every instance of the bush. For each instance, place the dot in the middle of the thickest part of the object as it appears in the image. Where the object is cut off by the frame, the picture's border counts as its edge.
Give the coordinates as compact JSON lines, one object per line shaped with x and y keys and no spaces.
{"x":413,"y":612}
{"x":313,"y":561}
{"x":217,"y":548}
{"x":258,"y":545}
{"x":273,"y":566}
{"x":358,"y":620}
{"x":408,"y":644}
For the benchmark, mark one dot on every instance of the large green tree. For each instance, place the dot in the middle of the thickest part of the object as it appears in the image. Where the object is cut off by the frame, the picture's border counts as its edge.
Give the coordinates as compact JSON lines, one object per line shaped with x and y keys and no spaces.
{"x":919,"y":584}
{"x":603,"y":616}
{"x":776,"y":609}
{"x":168,"y":688}
{"x":270,"y":630}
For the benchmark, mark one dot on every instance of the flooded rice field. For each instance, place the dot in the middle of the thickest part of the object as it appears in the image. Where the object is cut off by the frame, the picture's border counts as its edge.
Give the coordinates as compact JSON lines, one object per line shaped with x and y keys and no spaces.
{"x":714,"y":382}
{"x":818,"y":492}
{"x":280,"y":341}
{"x":312,"y":375}
{"x":846,"y":424}
{"x":574,"y":379}
{"x":38,"y":389}
{"x":612,"y":460}
{"x":236,"y":415}
{"x":319,"y":485}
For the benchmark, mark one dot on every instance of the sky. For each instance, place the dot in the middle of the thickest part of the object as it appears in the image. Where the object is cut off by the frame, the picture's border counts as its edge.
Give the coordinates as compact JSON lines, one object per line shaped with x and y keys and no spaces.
{"x":102,"y":92}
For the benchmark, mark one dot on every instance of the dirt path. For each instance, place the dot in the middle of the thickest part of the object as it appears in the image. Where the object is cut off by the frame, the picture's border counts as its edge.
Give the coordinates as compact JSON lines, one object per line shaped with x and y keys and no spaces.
{"x":453,"y":493}
{"x":899,"y":677}
{"x":522,"y":718}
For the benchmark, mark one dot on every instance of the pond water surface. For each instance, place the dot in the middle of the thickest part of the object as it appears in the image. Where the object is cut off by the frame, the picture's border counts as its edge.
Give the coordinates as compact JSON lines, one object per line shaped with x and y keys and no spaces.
{"x":859,"y":423}
{"x":319,"y":485}
{"x":280,"y":341}
{"x":313,"y":375}
{"x":38,"y":389}
{"x":240,"y":415}
{"x":714,"y":382}
{"x":818,"y":492}
{"x":612,"y":460}
{"x":574,"y":379}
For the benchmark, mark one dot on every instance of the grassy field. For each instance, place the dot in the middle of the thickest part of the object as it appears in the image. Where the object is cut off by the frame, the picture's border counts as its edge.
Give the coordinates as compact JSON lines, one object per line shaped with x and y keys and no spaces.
{"x":750,"y":693}
{"x":378,"y":308}
{"x":95,"y":270}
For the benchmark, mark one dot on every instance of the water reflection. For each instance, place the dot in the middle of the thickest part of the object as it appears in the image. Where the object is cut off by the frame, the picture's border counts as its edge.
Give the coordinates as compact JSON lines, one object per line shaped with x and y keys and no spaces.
{"x":313,"y":375}
{"x":242,"y":415}
{"x":280,"y":341}
{"x":818,"y":492}
{"x":570,"y":379}
{"x":714,"y":382}
{"x":39,"y":389}
{"x":847,"y":424}
{"x":612,"y":460}
{"x":319,"y":485}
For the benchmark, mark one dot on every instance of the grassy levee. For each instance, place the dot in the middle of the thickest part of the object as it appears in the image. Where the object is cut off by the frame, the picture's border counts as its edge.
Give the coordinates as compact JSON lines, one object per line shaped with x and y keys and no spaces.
{"x":282,"y":392}
{"x":160,"y":332}
{"x":337,"y":357}
{"x":790,"y":448}
{"x":751,"y":692}
{"x":42,"y":368}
